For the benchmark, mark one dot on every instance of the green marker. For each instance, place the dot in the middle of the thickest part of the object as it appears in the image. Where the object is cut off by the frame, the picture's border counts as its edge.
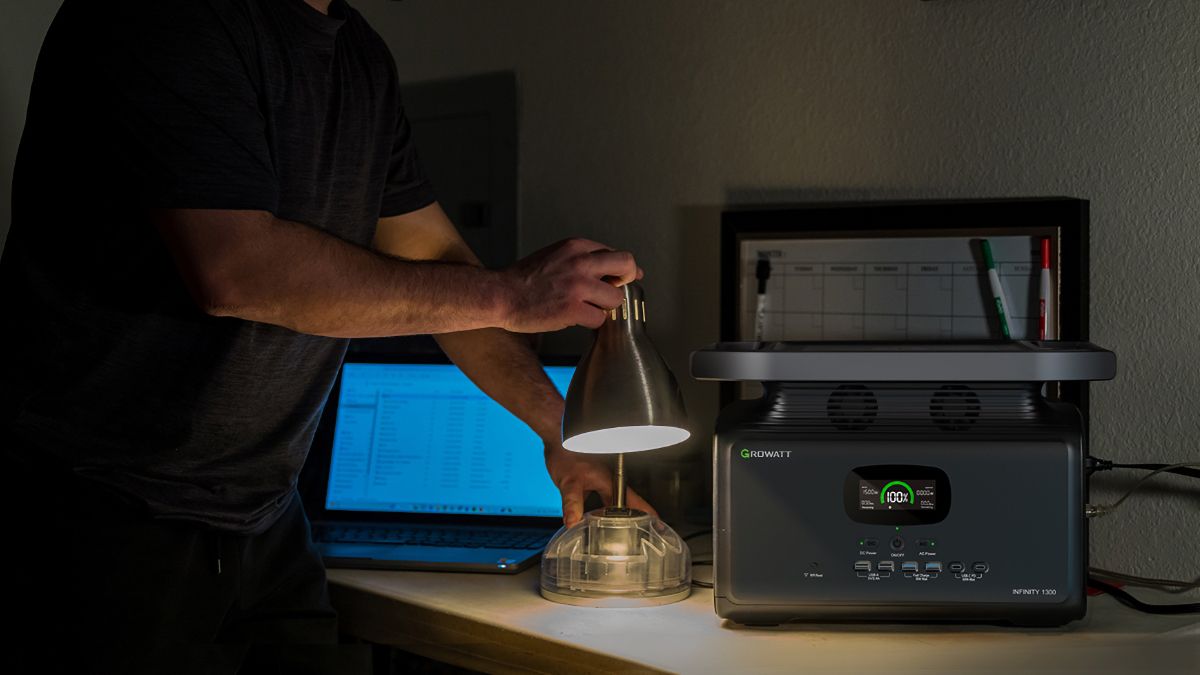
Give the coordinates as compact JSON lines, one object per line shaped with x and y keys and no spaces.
{"x":997,"y":289}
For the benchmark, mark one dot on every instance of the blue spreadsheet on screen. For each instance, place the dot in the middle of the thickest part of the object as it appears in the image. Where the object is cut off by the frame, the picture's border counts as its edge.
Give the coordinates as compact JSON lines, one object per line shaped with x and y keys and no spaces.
{"x":424,"y":438}
{"x":425,"y":470}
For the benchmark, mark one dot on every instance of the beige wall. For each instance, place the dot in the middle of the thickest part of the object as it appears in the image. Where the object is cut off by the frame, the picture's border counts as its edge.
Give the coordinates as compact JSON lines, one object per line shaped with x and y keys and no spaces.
{"x":641,"y":118}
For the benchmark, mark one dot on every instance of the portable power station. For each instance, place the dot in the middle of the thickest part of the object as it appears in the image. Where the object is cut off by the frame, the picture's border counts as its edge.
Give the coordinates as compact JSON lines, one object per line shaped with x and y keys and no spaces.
{"x":901,"y":482}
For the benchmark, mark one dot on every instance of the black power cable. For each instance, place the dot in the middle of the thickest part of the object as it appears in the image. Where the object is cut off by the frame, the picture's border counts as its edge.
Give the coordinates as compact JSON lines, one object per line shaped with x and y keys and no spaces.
{"x":1093,"y":510}
{"x":1132,"y":602}
{"x":1182,"y":471}
{"x":1095,"y":464}
{"x":1165,"y":585}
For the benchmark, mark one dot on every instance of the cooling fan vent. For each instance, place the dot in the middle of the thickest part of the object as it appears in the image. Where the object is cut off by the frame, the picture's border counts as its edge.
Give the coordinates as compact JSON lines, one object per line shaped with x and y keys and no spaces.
{"x":892,"y":407}
{"x":852,"y":407}
{"x":954,"y":407}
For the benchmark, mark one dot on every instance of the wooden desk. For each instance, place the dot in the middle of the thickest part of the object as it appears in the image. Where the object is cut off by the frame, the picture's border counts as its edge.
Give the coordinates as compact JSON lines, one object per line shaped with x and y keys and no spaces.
{"x":500,"y":624}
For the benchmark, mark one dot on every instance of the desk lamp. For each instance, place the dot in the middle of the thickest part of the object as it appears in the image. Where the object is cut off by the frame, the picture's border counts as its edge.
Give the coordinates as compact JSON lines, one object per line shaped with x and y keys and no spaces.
{"x":623,"y":398}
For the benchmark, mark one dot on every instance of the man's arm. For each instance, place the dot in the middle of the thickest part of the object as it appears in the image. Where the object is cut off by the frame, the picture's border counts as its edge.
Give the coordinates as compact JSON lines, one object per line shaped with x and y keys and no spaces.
{"x":251,"y":265}
{"x":502,"y":364}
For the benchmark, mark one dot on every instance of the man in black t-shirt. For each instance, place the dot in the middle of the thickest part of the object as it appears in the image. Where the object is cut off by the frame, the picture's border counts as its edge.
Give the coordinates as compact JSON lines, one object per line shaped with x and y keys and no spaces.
{"x":210,"y":197}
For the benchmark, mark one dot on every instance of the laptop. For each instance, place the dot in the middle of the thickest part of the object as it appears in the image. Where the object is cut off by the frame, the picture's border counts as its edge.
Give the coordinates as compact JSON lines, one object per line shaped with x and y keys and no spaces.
{"x":414,"y":467}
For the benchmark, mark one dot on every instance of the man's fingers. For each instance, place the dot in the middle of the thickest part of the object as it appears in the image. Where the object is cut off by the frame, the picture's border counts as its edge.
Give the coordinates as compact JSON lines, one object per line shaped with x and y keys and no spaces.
{"x":602,"y":294}
{"x":582,"y":477}
{"x":572,"y":504}
{"x":606,"y":493}
{"x":635,"y":501}
{"x":591,"y":316}
{"x":632,"y":499}
{"x":586,"y":245}
{"x":618,"y":265}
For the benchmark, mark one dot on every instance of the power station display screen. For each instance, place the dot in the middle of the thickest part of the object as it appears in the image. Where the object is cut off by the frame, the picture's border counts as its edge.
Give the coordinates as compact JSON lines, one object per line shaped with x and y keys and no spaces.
{"x":897,"y":495}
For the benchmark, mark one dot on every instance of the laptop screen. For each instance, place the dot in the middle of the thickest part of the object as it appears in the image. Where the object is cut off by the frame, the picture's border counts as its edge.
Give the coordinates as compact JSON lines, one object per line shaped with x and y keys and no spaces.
{"x":422,"y":438}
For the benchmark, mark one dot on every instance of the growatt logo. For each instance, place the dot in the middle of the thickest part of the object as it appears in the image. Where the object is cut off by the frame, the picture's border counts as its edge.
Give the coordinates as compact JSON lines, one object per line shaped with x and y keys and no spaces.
{"x":772,"y":454}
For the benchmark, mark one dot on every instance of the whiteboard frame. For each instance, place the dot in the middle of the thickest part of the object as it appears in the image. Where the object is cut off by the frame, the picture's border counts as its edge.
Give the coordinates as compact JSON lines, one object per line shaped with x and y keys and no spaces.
{"x":1067,"y":217}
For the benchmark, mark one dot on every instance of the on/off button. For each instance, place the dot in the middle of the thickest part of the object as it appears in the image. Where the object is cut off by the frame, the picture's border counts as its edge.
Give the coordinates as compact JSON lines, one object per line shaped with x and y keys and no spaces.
{"x":897,"y":543}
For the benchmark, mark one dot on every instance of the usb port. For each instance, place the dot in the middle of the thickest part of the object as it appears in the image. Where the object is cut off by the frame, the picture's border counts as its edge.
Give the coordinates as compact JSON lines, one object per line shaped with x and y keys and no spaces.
{"x":933,"y":567}
{"x":979,"y":567}
{"x":909,"y":566}
{"x":956,"y":567}
{"x":862,"y":566}
{"x":887,"y":566}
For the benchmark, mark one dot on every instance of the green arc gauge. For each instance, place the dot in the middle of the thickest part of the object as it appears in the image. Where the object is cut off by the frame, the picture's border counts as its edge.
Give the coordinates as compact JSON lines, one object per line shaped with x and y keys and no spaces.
{"x":912,"y":497}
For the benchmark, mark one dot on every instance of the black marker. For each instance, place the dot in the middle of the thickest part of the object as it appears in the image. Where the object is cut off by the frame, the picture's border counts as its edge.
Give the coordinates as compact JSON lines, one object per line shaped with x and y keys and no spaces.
{"x":762,"y":271}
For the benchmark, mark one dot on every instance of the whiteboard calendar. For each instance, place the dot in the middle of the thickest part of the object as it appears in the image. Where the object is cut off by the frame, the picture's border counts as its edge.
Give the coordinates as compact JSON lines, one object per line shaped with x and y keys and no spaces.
{"x":886,"y":288}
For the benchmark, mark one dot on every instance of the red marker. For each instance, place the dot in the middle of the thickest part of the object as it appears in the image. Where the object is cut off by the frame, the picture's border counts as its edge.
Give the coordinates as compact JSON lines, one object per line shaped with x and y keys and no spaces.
{"x":1044,"y":319}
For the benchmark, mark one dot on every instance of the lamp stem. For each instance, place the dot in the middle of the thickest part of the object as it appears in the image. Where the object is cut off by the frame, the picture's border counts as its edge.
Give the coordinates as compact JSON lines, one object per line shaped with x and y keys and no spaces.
{"x":619,"y":482}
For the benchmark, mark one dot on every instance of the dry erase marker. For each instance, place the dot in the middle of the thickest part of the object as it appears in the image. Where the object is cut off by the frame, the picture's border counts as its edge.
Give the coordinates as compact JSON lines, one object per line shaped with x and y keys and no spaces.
{"x":762,"y":272}
{"x":997,"y":289}
{"x":1044,"y":319}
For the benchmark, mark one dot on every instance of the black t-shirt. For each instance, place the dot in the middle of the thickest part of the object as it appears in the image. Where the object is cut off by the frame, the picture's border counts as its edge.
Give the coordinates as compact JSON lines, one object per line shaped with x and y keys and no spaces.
{"x":222,"y":104}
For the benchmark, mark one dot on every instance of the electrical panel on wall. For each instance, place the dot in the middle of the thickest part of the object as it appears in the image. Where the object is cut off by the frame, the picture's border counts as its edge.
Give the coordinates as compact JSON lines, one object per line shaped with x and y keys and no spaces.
{"x":465,"y":131}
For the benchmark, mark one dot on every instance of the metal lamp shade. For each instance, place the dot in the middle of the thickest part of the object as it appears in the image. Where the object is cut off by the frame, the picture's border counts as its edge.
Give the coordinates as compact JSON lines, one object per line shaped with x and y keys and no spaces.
{"x":623,"y":397}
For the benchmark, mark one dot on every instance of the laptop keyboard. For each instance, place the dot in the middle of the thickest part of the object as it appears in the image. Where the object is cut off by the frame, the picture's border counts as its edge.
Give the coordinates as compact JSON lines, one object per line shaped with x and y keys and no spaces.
{"x":435,"y":536}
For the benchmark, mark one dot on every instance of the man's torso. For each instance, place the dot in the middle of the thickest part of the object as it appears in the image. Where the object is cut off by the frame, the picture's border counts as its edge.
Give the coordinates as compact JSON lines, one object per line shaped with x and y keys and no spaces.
{"x":124,"y":380}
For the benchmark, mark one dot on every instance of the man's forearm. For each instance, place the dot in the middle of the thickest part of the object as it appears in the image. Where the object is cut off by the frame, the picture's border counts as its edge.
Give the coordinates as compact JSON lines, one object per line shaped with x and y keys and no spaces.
{"x":253,"y":266}
{"x":506,"y":369}
{"x":499,"y":362}
{"x":304,"y":279}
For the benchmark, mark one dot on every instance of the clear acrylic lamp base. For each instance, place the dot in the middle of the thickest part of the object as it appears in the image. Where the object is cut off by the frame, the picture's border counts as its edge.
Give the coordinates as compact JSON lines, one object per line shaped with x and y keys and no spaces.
{"x":617,"y":558}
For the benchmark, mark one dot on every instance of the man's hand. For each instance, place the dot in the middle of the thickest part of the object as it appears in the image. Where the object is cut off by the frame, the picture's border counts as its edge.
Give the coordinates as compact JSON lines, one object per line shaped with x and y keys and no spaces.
{"x":577,"y":474}
{"x":573,"y":282}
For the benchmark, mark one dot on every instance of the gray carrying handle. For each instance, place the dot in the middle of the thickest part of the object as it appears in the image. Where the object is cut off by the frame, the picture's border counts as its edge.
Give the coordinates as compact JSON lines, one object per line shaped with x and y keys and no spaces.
{"x":1018,"y":361}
